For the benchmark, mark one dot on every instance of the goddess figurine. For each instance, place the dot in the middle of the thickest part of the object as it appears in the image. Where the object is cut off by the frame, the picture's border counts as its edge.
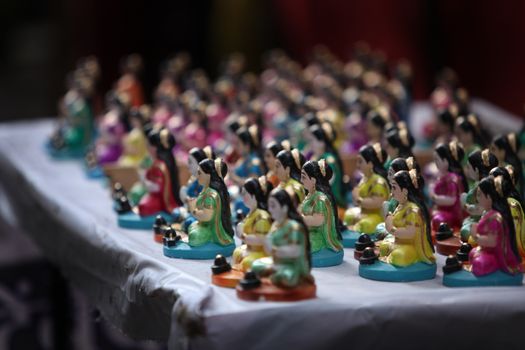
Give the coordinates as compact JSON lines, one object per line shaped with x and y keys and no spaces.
{"x":288,"y":170}
{"x":108,"y":146}
{"x":161,"y":181}
{"x":410,"y":255}
{"x":478,"y":166}
{"x":368,"y":196}
{"x":75,"y":133}
{"x":450,"y":184}
{"x":399,"y":143}
{"x":135,"y":148}
{"x":515,"y":204}
{"x":192,"y":189}
{"x":251,"y":230}
{"x":323,"y":136}
{"x":506,"y":148}
{"x":496,"y":260}
{"x":470,"y":135}
{"x":212,"y":233}
{"x":320,"y":215}
{"x":270,"y":154}
{"x":285,"y":275}
{"x":390,"y":205}
{"x":250,"y":163}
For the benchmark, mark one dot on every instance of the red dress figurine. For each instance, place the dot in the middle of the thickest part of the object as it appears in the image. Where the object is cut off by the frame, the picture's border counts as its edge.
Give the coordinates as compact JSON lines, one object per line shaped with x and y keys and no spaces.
{"x":161,"y":179}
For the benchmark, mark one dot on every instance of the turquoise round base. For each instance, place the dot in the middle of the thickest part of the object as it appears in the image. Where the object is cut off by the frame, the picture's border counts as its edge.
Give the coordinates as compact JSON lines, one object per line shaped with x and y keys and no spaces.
{"x":464,"y":278}
{"x":95,"y":173}
{"x":183,"y":250}
{"x":64,"y":153}
{"x":351,"y":236}
{"x":327,"y":257}
{"x":381,"y":271}
{"x":136,"y":222}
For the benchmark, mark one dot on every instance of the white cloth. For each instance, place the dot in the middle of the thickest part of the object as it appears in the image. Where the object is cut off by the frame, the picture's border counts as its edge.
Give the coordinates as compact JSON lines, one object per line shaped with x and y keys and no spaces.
{"x":149,"y":296}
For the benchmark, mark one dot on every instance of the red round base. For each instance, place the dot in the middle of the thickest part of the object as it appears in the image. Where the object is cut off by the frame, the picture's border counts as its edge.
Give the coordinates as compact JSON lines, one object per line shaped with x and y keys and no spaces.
{"x":158,"y":238}
{"x":228,"y":279}
{"x":448,"y":246}
{"x":268,"y":291}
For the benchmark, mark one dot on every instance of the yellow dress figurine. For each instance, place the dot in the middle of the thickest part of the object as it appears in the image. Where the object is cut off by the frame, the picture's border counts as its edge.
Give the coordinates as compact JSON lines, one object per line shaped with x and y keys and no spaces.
{"x":252,"y":231}
{"x":407,"y":253}
{"x":368,"y":196}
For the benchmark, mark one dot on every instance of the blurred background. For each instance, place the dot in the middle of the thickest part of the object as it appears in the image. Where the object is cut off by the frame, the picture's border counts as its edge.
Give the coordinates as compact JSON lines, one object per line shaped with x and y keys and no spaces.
{"x":40,"y":40}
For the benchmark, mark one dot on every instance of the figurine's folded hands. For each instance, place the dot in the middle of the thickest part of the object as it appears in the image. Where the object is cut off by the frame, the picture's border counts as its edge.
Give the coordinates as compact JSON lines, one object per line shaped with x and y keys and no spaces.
{"x":287,"y":251}
{"x":254,"y":239}
{"x":203,"y":214}
{"x":151,"y":186}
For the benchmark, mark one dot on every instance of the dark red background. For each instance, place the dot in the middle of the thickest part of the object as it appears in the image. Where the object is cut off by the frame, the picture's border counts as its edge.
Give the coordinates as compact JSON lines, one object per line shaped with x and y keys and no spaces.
{"x":40,"y":40}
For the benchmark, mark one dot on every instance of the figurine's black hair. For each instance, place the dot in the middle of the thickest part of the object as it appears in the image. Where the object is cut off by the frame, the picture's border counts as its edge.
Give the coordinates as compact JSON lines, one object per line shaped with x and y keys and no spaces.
{"x":368,"y":152}
{"x":454,"y":159}
{"x":217,"y":183}
{"x":288,"y":161}
{"x":163,"y":141}
{"x":253,"y":187}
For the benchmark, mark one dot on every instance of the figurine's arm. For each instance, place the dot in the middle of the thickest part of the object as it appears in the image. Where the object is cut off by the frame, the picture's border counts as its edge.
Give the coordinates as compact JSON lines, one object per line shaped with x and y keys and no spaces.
{"x":315,"y":219}
{"x":443,"y":200}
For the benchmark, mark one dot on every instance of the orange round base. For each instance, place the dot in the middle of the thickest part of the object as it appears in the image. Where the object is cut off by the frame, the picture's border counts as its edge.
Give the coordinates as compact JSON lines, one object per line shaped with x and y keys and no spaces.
{"x":158,"y":238}
{"x":228,"y":279}
{"x":267,"y":291}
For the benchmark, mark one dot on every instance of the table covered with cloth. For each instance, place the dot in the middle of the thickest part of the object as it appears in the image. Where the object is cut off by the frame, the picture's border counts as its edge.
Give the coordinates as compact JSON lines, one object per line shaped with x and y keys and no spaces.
{"x":149,"y":296}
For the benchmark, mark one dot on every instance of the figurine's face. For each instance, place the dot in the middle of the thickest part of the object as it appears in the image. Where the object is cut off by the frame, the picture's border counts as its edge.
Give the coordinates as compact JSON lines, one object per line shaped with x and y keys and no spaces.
{"x":193,"y":165}
{"x":269,"y":159}
{"x":483,"y":200}
{"x":441,"y":164}
{"x":317,"y":145}
{"x":373,"y":131}
{"x":391,"y":151}
{"x":499,"y":153}
{"x":398,"y":193}
{"x":464,"y":137}
{"x":307,"y":181}
{"x":363,"y":166}
{"x":277,"y":211}
{"x":283,"y":174}
{"x":249,"y":199}
{"x":471,"y":172}
{"x":202,"y":177}
{"x":390,"y":174}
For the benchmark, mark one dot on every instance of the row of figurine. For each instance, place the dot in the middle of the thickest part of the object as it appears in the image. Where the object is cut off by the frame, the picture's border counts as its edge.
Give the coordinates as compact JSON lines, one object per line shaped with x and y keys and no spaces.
{"x":358,"y":97}
{"x":313,"y":107}
{"x":291,"y":222}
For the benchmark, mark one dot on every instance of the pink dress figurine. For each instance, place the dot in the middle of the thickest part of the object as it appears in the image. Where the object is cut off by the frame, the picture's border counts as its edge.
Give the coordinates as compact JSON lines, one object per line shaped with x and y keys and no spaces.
{"x":451,"y":183}
{"x":496,"y":260}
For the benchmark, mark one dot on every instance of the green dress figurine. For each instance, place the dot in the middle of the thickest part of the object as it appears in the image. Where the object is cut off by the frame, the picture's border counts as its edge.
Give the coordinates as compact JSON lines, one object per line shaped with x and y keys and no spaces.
{"x":285,"y":275}
{"x":320,"y":215}
{"x":212,"y":233}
